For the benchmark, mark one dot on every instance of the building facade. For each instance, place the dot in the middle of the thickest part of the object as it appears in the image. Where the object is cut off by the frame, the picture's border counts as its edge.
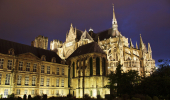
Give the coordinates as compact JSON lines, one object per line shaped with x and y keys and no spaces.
{"x":114,"y":44}
{"x":40,"y":42}
{"x":78,"y":66}
{"x":31,"y":71}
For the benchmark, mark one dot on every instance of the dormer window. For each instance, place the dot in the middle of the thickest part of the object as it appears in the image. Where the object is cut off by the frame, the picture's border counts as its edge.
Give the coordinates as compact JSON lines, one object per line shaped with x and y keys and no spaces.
{"x":11,"y":51}
{"x":53,"y":59}
{"x":43,"y":58}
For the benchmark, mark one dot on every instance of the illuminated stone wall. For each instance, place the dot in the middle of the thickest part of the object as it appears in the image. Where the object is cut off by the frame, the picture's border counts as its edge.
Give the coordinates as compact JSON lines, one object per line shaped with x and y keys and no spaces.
{"x":14,"y":85}
{"x":93,"y":82}
{"x":40,"y":42}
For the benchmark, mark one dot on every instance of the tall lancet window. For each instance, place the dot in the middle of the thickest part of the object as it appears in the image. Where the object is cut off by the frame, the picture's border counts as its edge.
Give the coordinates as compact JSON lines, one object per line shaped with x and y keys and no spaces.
{"x":97,"y":66}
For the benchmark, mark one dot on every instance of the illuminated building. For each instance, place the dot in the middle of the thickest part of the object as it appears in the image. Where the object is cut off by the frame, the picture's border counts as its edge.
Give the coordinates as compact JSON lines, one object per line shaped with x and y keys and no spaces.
{"x":28,"y":70}
{"x":114,"y":44}
{"x":90,"y":57}
{"x":40,"y":42}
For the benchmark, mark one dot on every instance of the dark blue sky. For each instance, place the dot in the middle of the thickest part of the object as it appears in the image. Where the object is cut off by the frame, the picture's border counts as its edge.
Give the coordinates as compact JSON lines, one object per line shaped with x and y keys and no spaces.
{"x":23,"y":20}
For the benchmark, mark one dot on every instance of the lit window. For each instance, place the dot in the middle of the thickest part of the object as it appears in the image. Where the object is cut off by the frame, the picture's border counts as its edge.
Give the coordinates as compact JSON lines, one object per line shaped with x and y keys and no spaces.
{"x":42,"y":68}
{"x":26,"y":80}
{"x":7,"y":80}
{"x":32,"y":92}
{"x":42,"y":82}
{"x":53,"y":59}
{"x":6,"y":92}
{"x":62,"y":83}
{"x":43,"y":58}
{"x":18,"y":91}
{"x":57,"y":71}
{"x":20,"y":66}
{"x":28,"y":67}
{"x":19,"y":80}
{"x":57,"y":92}
{"x":57,"y":82}
{"x":0,"y":78}
{"x":33,"y":80}
{"x":48,"y":81}
{"x":41,"y":92}
{"x":34,"y":67}
{"x":62,"y":92}
{"x":9,"y":66}
{"x":62,"y":71}
{"x":26,"y":91}
{"x":1,"y":63}
{"x":47,"y":92}
{"x":48,"y":69}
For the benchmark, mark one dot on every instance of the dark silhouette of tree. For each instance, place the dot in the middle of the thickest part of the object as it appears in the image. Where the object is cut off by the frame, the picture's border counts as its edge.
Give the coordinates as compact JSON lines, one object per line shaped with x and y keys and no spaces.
{"x":122,"y":82}
{"x":158,"y":84}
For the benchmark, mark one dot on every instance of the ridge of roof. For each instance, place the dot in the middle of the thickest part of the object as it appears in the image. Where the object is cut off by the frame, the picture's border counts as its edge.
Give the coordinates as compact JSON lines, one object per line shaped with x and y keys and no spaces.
{"x":19,"y":48}
{"x":93,"y":47}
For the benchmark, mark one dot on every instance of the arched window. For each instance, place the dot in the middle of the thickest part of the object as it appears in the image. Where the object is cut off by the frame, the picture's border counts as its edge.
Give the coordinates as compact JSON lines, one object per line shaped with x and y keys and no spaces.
{"x":73,"y":69}
{"x":91,"y":66}
{"x":11,"y":51}
{"x":97,"y":66}
{"x":53,"y":59}
{"x":104,"y":66}
{"x":43,"y":58}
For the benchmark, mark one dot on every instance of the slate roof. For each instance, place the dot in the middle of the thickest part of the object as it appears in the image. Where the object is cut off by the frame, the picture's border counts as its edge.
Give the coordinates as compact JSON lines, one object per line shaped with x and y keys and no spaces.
{"x":92,"y":47}
{"x":79,"y":33}
{"x":5,"y":45}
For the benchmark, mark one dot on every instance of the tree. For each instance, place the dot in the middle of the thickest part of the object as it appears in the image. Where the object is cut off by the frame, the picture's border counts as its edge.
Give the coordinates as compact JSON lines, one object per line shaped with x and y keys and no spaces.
{"x":122,"y":83}
{"x":158,"y":84}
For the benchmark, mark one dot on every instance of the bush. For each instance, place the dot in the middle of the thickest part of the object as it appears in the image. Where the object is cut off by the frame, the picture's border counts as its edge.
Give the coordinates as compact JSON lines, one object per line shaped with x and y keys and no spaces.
{"x":69,"y":95}
{"x":155,"y":98}
{"x":135,"y":98}
{"x":44,"y":96}
{"x":19,"y":98}
{"x":125,"y":96}
{"x":140,"y":96}
{"x":37,"y":97}
{"x":148,"y":98}
{"x":29,"y":97}
{"x":25,"y":97}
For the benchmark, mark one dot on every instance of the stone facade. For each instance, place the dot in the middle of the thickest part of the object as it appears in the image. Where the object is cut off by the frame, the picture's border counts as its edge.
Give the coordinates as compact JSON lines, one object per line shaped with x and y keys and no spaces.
{"x":114,"y":44}
{"x":88,"y":75}
{"x":28,"y":74}
{"x":40,"y":42}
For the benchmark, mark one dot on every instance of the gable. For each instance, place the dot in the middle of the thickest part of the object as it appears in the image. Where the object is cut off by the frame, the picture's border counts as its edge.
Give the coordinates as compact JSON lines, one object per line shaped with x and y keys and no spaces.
{"x":29,"y":56}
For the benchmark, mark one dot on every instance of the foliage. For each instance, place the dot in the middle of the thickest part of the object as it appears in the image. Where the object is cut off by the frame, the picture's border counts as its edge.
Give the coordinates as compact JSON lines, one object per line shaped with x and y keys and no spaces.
{"x":122,"y":83}
{"x":25,"y":97}
{"x":155,"y":98}
{"x":148,"y":97}
{"x":44,"y":96}
{"x":158,"y":84}
{"x":29,"y":97}
{"x":135,"y":98}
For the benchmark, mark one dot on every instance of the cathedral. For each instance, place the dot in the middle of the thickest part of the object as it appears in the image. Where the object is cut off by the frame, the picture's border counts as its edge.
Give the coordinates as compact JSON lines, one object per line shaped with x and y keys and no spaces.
{"x":78,"y":66}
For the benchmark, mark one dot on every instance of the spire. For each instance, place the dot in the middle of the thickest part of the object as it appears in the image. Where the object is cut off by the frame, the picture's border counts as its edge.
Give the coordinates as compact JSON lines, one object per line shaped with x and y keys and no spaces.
{"x":98,"y":39}
{"x":141,"y":43}
{"x":131,"y":44}
{"x":114,"y":21}
{"x":149,"y":48}
{"x":136,"y":45}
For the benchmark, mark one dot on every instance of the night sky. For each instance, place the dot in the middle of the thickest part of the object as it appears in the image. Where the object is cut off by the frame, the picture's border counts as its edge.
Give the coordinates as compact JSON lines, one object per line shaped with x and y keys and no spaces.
{"x":23,"y":20}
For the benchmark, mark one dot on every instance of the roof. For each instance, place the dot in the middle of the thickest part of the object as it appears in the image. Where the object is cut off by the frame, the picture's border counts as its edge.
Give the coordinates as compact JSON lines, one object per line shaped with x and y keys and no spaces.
{"x":78,"y":33}
{"x":5,"y":45}
{"x":92,"y":47}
